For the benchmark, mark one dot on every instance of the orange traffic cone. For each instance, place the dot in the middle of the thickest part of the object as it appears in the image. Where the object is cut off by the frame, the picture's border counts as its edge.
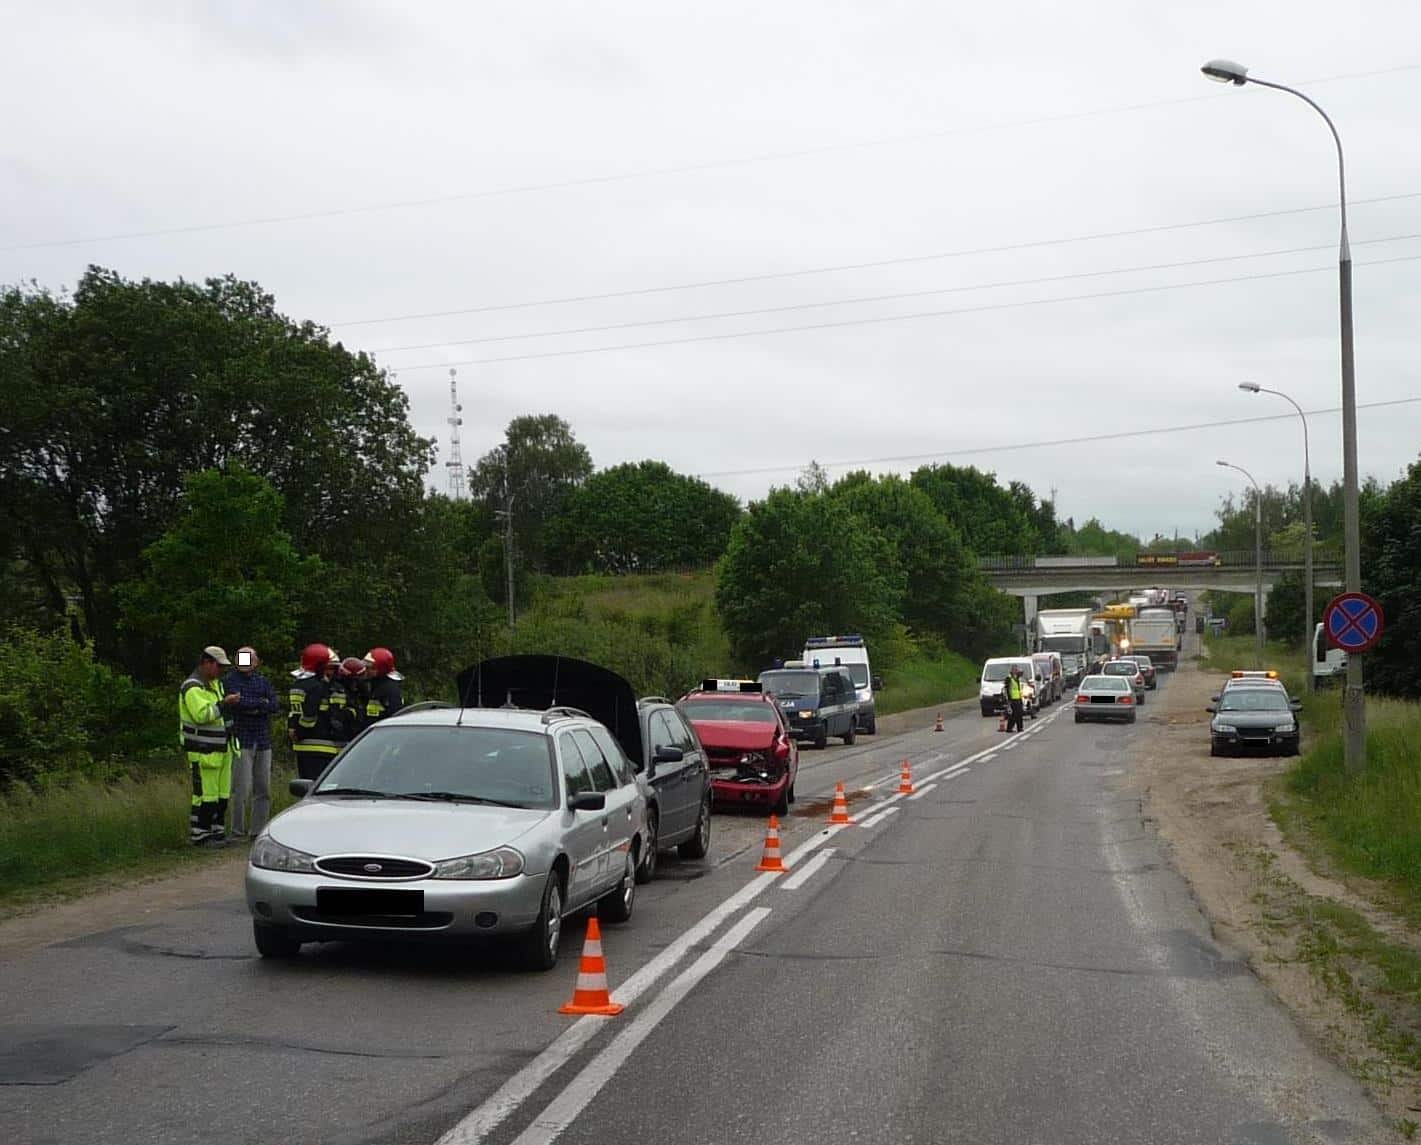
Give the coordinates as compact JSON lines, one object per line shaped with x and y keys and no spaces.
{"x":905,"y":780}
{"x":937,"y":727}
{"x":841,"y":807}
{"x":770,"y":860}
{"x":591,"y":995}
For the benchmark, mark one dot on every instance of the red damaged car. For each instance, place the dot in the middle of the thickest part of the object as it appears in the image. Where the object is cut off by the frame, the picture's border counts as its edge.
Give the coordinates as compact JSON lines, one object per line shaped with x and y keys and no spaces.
{"x":752,"y":759}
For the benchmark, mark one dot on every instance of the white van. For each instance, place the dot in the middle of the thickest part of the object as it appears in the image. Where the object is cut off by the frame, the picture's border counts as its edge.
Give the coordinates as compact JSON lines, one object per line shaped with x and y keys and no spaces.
{"x":1328,"y":663}
{"x":852,"y":653}
{"x":994,"y":677}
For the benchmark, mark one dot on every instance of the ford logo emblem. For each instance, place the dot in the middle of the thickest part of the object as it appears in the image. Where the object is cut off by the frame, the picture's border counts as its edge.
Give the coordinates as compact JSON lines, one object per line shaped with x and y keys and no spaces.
{"x":373,"y":868}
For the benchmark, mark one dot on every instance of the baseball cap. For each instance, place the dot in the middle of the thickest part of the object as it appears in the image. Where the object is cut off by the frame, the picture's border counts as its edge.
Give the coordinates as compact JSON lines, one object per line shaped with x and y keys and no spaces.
{"x":214,"y":652}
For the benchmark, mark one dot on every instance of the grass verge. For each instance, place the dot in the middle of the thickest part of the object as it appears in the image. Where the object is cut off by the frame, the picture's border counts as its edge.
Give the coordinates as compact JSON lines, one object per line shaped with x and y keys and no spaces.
{"x":920,"y":683}
{"x":55,"y":843}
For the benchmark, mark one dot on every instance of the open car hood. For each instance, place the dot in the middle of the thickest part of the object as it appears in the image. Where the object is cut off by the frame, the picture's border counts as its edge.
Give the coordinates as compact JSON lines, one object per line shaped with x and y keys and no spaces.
{"x":542,"y":682}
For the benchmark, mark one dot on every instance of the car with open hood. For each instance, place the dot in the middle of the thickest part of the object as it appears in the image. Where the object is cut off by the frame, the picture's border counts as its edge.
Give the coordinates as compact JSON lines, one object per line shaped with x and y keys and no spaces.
{"x":665,"y":753}
{"x":753,"y":758}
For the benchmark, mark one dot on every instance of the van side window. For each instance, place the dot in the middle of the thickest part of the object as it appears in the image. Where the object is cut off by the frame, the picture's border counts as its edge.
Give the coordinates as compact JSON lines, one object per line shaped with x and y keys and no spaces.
{"x":615,"y":755}
{"x":602,"y":778}
{"x":574,"y":770}
{"x":830,"y":684}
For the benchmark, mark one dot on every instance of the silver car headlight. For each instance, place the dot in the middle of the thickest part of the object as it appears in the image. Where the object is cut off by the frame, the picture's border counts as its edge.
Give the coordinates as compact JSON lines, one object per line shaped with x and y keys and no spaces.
{"x":1225,"y":729}
{"x":1290,"y":726}
{"x":500,"y":863}
{"x":806,"y":713}
{"x":270,"y":855}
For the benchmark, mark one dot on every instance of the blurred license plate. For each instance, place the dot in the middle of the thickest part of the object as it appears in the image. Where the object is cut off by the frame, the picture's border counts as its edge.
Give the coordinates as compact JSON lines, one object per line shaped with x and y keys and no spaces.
{"x":340,"y":902}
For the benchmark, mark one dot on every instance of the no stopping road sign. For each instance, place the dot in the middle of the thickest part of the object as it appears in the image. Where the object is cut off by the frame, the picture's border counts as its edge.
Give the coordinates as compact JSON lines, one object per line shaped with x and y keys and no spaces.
{"x":1353,"y":622}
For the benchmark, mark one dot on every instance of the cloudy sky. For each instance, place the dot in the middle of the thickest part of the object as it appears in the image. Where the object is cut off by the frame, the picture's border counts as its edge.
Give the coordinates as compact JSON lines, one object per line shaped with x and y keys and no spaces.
{"x":988,"y":215}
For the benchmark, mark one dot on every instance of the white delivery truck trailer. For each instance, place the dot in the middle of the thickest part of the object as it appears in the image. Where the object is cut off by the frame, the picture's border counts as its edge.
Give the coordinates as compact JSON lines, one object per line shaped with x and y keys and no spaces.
{"x":1067,"y":631}
{"x":1155,"y":632}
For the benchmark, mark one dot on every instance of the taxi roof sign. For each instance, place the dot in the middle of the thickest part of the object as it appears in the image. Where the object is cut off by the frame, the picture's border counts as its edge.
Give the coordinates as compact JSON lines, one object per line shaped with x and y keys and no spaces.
{"x":719,"y":685}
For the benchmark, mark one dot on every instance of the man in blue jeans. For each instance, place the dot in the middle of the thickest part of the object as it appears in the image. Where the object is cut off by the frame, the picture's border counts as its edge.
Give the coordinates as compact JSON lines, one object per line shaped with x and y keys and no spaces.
{"x":251,"y":770}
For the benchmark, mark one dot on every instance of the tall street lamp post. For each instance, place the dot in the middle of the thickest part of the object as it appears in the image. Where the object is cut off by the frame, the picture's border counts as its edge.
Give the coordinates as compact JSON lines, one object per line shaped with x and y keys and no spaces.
{"x":1257,"y":561}
{"x":1255,"y":388}
{"x":1354,"y":710}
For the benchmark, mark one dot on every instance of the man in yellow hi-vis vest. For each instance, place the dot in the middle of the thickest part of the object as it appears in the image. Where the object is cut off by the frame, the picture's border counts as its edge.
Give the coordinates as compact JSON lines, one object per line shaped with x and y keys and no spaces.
{"x":205,"y":723}
{"x":1016,"y":700}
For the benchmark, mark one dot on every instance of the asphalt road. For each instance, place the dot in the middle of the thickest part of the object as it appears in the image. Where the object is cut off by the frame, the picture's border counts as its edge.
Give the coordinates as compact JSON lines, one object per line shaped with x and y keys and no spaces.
{"x":1006,"y":956}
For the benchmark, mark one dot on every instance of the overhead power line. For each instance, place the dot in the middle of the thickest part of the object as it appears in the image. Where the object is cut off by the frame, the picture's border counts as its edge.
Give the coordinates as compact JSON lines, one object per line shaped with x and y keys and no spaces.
{"x":660,"y":172}
{"x":1088,"y":439}
{"x":733,"y":335}
{"x":903,"y":260}
{"x":1039,"y":281}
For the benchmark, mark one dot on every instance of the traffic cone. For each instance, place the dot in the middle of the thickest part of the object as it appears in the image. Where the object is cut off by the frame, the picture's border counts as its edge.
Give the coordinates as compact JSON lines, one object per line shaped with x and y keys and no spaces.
{"x":841,"y":807}
{"x":905,"y":780}
{"x":937,"y":727}
{"x":770,"y":860}
{"x":591,"y":995}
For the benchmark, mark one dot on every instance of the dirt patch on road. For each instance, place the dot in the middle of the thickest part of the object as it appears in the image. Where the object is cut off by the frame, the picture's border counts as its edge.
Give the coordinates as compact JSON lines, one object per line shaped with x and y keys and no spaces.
{"x":1317,"y":943}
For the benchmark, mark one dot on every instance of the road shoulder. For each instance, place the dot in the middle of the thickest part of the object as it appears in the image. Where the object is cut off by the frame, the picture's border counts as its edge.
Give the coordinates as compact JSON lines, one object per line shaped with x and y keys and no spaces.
{"x":1317,"y":943}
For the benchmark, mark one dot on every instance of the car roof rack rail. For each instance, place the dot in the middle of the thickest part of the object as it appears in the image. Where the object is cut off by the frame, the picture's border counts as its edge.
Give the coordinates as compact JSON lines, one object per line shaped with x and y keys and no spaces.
{"x":654,"y":700}
{"x":423,"y":706}
{"x":563,"y":712}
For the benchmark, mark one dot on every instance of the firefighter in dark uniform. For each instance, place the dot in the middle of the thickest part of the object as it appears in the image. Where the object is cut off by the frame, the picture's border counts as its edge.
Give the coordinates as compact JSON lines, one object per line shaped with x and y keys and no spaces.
{"x":383,"y":694}
{"x":308,"y":721}
{"x":347,"y":700}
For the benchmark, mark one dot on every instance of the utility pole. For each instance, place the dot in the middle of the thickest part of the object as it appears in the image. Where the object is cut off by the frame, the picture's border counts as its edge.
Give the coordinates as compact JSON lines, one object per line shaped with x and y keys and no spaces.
{"x":507,"y":516}
{"x":458,"y":489}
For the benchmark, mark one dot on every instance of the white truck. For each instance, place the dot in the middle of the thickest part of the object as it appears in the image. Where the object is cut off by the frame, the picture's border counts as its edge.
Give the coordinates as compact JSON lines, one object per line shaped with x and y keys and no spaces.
{"x":1329,"y":664}
{"x":1155,"y":632}
{"x":852,"y":653}
{"x":1067,"y":631}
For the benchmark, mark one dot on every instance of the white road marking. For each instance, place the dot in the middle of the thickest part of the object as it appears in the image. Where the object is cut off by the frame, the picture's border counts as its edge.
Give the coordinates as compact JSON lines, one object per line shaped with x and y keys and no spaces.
{"x":923,"y":790}
{"x":807,"y":872}
{"x":879,"y":818}
{"x":809,"y":844}
{"x":579,"y":1093}
{"x":989,"y":758}
{"x":522,"y":1085}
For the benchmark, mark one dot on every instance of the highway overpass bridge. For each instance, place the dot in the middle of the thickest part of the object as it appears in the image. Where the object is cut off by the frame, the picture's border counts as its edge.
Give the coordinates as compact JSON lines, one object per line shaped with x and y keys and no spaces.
{"x":1032,"y":578}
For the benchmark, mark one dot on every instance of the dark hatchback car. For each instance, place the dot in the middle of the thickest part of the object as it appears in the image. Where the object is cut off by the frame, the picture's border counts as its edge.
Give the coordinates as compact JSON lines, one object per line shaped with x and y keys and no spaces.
{"x":1257,"y":719}
{"x":662,"y":746}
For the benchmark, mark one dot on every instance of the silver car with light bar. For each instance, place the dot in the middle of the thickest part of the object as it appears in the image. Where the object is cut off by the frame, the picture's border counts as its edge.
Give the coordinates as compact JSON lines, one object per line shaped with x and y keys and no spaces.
{"x":454,"y":823}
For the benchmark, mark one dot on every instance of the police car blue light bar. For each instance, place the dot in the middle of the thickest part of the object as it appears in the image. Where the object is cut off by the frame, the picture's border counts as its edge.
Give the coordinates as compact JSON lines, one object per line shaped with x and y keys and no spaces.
{"x":853,"y":641}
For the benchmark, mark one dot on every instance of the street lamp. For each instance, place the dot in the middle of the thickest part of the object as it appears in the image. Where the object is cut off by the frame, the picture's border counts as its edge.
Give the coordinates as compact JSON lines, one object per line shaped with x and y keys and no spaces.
{"x":1255,"y":388}
{"x":1354,"y":711}
{"x":1257,"y":561}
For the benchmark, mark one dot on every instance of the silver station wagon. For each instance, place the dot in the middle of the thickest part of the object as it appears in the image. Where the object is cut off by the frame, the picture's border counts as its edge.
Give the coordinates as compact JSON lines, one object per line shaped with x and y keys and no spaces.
{"x":461,"y":823}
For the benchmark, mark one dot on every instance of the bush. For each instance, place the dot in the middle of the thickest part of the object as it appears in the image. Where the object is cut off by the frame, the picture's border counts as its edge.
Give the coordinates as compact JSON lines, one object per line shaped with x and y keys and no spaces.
{"x":64,"y":714}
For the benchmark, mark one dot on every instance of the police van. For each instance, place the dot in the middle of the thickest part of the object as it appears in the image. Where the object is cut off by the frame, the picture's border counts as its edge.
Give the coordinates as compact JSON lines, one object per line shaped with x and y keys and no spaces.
{"x":852,"y":653}
{"x":817,"y":702}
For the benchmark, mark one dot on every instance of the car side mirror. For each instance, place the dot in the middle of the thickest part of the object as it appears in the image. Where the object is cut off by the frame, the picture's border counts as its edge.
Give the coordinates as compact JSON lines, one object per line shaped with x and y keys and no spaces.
{"x":667,"y":754}
{"x":876,"y":683}
{"x":1214,"y":698}
{"x":587,"y":801}
{"x":1211,"y":709}
{"x":300,"y":787}
{"x":1296,"y":705}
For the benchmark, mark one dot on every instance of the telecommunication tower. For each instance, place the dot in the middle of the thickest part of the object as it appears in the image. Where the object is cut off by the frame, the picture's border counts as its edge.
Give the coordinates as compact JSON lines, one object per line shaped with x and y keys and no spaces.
{"x":458,"y":490}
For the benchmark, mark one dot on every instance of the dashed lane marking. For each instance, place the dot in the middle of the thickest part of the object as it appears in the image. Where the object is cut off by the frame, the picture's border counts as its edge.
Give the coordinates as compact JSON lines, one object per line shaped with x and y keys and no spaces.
{"x":808,"y":871}
{"x":924,"y":790}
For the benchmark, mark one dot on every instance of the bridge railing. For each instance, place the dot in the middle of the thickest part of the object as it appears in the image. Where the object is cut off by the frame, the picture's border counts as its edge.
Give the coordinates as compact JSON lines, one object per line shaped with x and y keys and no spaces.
{"x":1152,"y":562}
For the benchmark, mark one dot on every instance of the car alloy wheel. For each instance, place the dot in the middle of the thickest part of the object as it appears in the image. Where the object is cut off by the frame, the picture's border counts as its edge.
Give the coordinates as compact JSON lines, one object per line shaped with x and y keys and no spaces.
{"x":552,"y":933}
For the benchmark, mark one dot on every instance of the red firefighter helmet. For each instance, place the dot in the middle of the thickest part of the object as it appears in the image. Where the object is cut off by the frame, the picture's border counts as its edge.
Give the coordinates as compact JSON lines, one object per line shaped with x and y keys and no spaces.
{"x":352,"y":667}
{"x":381,"y":661}
{"x":314,"y":657}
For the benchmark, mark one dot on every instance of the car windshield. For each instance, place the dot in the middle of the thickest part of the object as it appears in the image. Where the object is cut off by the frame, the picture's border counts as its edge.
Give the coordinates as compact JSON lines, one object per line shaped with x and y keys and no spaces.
{"x":791,"y":685}
{"x":1121,"y":668}
{"x":1105,"y":684}
{"x":1002,"y":669}
{"x":742,"y":711}
{"x":859,"y":672}
{"x":457,"y":764}
{"x":1254,"y":700}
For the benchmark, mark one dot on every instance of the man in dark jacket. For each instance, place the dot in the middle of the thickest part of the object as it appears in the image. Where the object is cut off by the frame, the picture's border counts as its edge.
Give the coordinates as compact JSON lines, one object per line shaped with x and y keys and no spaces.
{"x":251,"y":774}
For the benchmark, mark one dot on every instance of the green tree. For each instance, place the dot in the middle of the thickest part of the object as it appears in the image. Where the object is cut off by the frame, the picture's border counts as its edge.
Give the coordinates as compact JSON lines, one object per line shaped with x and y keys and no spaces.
{"x":1093,"y":539}
{"x":798,"y":564}
{"x":640,"y":517}
{"x":990,"y":519}
{"x":534,"y":471}
{"x":1391,"y":568}
{"x":110,"y":398}
{"x":225,"y":573}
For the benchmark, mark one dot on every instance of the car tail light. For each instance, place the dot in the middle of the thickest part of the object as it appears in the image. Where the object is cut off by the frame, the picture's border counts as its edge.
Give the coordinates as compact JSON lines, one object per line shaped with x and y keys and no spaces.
{"x":1082,"y":698}
{"x":1126,"y":699}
